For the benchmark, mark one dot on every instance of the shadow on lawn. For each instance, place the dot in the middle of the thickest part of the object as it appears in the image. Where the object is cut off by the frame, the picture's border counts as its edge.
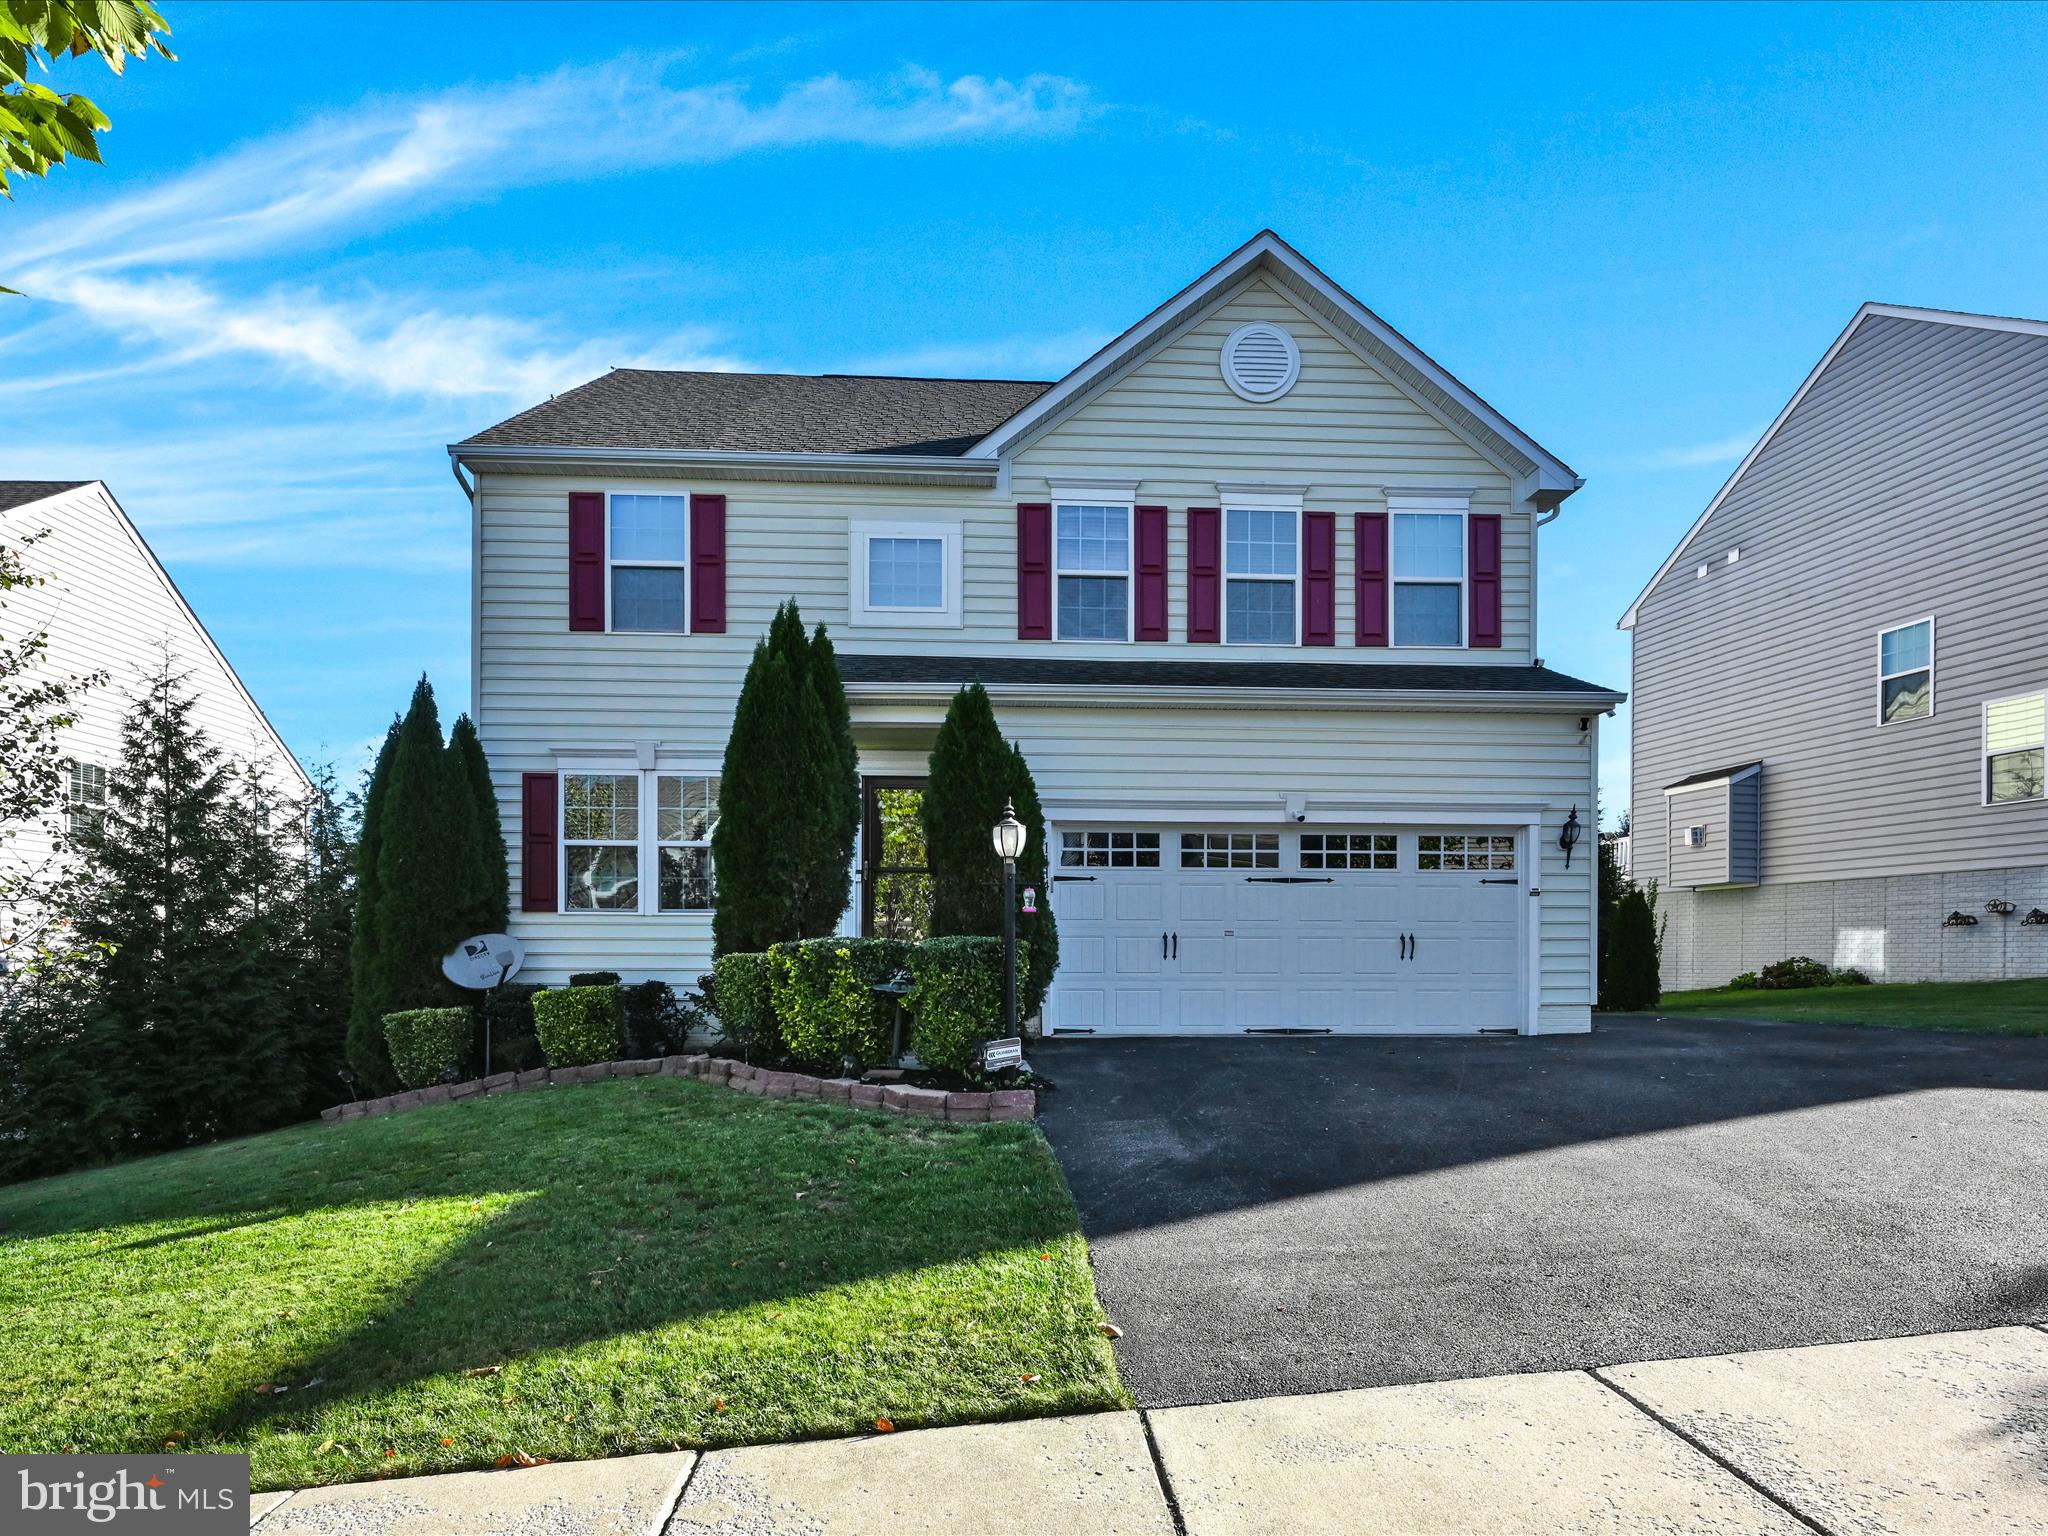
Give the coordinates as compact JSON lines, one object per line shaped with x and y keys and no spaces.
{"x":700,"y":1213}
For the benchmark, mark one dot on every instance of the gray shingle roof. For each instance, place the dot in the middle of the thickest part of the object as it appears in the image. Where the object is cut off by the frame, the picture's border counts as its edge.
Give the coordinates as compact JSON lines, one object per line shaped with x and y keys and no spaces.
{"x":1714,"y":775}
{"x":769,"y":413}
{"x":1361,"y":675}
{"x":19,"y":493}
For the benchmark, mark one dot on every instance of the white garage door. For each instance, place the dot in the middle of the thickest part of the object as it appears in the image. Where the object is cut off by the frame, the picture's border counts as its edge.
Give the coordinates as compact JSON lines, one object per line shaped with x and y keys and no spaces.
{"x":1221,"y":930}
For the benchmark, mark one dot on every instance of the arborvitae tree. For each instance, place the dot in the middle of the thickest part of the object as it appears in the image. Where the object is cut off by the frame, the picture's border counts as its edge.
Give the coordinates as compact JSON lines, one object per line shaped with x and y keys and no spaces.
{"x":323,"y":923}
{"x":966,"y":787}
{"x":1631,"y":980}
{"x":180,"y":924}
{"x":1034,"y":869}
{"x":493,"y":899}
{"x":425,"y":855}
{"x":845,"y":830}
{"x":782,"y":849}
{"x":369,"y":996}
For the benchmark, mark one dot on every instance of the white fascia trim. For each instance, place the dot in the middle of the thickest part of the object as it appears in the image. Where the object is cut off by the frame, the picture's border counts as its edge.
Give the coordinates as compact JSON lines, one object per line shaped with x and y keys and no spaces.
{"x":1269,"y":249}
{"x":135,"y":534}
{"x":882,"y":468}
{"x":1867,"y":312}
{"x":1069,"y":696}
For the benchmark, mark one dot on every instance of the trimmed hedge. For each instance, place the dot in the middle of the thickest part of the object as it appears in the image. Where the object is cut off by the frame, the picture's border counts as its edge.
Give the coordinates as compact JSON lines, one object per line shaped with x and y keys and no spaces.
{"x":825,"y":1005}
{"x":429,"y":1045}
{"x":578,"y":1026}
{"x":956,"y":998}
{"x":746,"y":1004}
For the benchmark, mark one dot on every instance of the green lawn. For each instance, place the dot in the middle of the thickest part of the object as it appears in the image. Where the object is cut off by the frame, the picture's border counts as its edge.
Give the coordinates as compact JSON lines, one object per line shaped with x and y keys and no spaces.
{"x":575,"y":1272}
{"x":1982,"y":1007}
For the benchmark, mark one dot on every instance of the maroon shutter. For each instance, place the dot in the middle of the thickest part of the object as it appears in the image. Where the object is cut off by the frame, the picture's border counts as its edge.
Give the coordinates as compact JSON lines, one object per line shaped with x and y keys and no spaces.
{"x":1372,"y":578}
{"x":707,"y":565}
{"x":539,"y":870}
{"x":1318,"y":578}
{"x":586,"y":560}
{"x":1482,"y":535}
{"x":1205,"y":573}
{"x":1034,"y":570}
{"x":1151,"y":573}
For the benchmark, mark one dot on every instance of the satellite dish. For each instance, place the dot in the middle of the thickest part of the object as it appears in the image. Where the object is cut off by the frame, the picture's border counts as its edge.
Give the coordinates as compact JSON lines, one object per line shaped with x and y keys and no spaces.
{"x":484,"y":961}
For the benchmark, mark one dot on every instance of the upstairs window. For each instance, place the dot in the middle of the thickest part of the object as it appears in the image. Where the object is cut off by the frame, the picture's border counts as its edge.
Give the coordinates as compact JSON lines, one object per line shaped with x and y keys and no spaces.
{"x":647,"y":545}
{"x":1092,"y":572}
{"x":906,"y":573}
{"x":1261,"y":570}
{"x":1905,"y":668}
{"x":85,"y":797}
{"x":2015,"y":734}
{"x":1429,"y":578}
{"x":601,"y":842}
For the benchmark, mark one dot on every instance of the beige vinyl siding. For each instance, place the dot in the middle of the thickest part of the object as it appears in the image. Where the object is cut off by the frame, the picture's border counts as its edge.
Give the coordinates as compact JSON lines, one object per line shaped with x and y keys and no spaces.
{"x":1343,"y":431}
{"x":108,"y":610}
{"x":1911,"y":481}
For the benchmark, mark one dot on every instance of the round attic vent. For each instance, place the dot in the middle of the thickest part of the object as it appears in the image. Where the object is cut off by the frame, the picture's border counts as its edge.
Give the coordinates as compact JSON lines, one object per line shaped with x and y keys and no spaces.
{"x":1260,"y":362}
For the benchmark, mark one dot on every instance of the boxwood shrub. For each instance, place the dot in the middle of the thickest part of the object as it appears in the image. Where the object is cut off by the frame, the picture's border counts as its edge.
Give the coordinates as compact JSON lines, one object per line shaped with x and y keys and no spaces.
{"x":578,"y":1026}
{"x":429,"y":1045}
{"x":746,"y":1005}
{"x":825,"y":1005}
{"x":956,"y":998}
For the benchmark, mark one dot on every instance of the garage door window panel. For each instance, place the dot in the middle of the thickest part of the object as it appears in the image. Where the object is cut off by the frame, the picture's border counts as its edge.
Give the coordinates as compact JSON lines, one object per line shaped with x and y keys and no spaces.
{"x":1230,"y":850}
{"x":1463,"y":851}
{"x":1109,"y":848}
{"x":1350,"y":850}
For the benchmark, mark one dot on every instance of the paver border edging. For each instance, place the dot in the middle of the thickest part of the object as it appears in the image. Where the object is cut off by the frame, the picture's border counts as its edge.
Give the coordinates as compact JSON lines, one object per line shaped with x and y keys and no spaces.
{"x":764,"y":1082}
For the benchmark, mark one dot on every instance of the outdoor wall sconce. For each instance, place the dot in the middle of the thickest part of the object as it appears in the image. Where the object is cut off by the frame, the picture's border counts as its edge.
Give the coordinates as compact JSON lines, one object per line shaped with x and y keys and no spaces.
{"x":1959,"y":920}
{"x":2000,"y":908}
{"x":2035,"y":919}
{"x":1568,"y":837}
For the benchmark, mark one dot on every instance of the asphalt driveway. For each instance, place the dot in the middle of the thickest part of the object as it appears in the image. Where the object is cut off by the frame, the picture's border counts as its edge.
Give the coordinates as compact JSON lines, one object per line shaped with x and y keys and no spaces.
{"x":1297,"y":1215}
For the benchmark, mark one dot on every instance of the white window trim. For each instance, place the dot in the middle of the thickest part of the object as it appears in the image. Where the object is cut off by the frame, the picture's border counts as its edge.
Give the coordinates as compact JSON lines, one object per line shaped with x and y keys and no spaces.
{"x":946,"y":615}
{"x":1984,"y":751}
{"x":1130,"y":572}
{"x":682,"y":565}
{"x":1459,"y":507}
{"x":1884,"y":677}
{"x":648,"y":844}
{"x":1252,"y":505}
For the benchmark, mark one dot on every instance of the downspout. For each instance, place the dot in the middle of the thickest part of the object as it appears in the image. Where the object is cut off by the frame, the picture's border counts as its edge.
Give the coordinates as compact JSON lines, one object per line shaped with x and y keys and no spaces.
{"x":476,"y":593}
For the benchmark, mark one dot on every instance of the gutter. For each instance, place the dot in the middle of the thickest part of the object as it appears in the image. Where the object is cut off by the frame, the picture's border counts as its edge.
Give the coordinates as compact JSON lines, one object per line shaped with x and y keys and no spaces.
{"x":930,"y":469}
{"x":1084,"y":696}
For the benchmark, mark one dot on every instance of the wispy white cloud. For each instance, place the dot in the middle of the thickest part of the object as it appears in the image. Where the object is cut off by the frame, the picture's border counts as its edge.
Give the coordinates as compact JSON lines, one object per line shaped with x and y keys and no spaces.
{"x":1017,"y":357}
{"x":1721,"y":450}
{"x":392,"y":159}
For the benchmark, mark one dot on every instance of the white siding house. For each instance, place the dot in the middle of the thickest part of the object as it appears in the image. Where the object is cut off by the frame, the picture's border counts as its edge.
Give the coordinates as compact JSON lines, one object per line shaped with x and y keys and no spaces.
{"x":108,"y":606}
{"x":1254,"y":589}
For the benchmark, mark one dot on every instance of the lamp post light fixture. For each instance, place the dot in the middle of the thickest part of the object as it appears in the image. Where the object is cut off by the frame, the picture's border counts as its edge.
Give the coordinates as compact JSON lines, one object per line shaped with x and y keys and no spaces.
{"x":1008,"y":836}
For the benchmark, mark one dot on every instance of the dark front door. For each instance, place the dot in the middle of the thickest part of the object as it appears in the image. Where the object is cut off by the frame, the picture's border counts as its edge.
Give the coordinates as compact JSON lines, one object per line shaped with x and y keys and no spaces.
{"x":896,"y":875}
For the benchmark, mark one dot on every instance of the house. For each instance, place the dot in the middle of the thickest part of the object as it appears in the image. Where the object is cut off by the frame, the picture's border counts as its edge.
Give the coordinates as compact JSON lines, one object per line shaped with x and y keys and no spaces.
{"x":1840,"y":672}
{"x":1253,"y":587}
{"x":108,"y":606}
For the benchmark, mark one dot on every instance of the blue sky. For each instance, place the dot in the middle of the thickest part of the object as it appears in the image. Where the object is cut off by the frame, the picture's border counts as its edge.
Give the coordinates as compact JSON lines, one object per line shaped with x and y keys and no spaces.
{"x":331,"y":239}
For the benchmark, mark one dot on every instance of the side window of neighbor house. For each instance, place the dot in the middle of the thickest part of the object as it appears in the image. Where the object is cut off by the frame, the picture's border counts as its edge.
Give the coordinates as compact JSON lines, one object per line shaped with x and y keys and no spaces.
{"x":1905,"y":667}
{"x":1092,"y":571}
{"x":85,"y":797}
{"x":646,"y":549}
{"x":2015,"y":735}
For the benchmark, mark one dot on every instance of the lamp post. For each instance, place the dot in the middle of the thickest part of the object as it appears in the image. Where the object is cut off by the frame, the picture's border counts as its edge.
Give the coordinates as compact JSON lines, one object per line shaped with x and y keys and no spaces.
{"x":1008,"y":836}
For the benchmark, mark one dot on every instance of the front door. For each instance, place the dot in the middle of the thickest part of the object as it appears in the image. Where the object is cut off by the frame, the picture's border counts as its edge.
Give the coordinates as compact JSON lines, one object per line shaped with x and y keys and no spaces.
{"x":896,"y":874}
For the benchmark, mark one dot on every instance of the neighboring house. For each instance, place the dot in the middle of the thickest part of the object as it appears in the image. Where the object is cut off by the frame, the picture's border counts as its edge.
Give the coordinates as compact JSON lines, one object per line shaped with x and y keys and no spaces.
{"x":109,"y":606}
{"x":1253,"y":587}
{"x":1840,"y":672}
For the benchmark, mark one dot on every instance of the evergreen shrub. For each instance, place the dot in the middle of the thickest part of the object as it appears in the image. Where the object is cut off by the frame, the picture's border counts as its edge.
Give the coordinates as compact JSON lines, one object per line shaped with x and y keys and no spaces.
{"x":578,"y":1026}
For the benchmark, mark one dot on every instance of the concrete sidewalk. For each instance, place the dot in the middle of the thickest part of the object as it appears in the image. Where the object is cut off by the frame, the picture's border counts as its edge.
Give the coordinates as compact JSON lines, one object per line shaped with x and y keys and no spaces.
{"x":1945,"y":1433}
